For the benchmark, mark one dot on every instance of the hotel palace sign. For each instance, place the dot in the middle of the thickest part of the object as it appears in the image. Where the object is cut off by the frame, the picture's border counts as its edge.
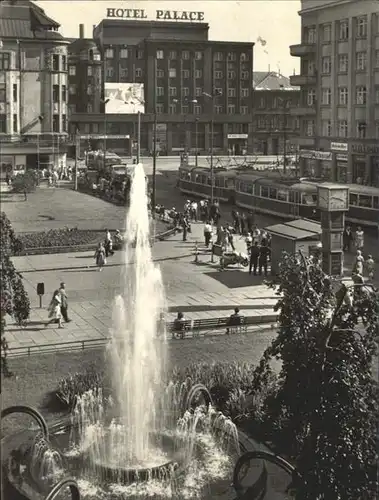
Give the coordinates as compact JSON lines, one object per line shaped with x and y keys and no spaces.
{"x":166,"y":15}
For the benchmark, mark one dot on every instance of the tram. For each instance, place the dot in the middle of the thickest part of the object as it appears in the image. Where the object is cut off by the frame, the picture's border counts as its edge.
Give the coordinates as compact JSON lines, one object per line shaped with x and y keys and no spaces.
{"x":270,"y":193}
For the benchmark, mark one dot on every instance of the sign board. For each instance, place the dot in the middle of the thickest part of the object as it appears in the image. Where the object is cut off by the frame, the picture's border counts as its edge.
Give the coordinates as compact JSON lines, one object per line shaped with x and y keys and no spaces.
{"x":315,"y":155}
{"x":100,"y":136}
{"x":160,"y":15}
{"x":339,"y":146}
{"x":342,"y":157}
{"x":124,"y":98}
{"x":238,"y":136}
{"x":365,"y":149}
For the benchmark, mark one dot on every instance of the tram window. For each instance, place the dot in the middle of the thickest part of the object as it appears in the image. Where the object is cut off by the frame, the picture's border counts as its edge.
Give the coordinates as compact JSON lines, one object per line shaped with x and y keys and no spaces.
{"x":353,"y":199}
{"x":375,"y":202}
{"x":365,"y":201}
{"x":250,"y":189}
{"x":293,"y":196}
{"x":273,"y":193}
{"x":309,"y":199}
{"x":196,"y":178}
{"x":282,"y":195}
{"x":208,"y":181}
{"x":219,"y":183}
{"x":264,"y":192}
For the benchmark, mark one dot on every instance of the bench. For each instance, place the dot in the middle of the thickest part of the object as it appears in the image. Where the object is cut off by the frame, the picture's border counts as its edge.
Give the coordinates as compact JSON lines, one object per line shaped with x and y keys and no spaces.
{"x":198,"y":325}
{"x":179,"y":331}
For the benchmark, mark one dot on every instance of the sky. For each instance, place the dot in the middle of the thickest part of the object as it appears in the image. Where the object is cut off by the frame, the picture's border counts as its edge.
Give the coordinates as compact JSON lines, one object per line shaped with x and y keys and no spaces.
{"x":276,"y":22}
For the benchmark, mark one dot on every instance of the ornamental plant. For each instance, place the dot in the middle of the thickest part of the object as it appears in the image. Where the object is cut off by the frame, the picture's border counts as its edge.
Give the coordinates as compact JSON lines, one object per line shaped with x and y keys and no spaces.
{"x":324,"y":412}
{"x":14,"y":299}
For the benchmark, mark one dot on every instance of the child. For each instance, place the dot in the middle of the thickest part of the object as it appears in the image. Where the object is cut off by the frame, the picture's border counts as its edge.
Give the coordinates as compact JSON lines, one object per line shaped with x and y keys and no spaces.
{"x":370,"y":267}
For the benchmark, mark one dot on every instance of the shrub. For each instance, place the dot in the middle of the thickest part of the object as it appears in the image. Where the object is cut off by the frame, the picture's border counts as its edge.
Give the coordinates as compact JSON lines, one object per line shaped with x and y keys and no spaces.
{"x":60,"y":238}
{"x":25,"y":183}
{"x":77,"y":384}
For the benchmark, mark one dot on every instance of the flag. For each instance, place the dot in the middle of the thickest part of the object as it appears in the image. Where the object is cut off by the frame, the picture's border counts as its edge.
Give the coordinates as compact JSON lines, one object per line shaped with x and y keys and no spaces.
{"x":262,"y":41}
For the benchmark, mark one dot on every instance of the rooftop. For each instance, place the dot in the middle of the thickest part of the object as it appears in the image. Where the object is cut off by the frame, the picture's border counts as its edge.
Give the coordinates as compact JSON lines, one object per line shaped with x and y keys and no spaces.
{"x":298,"y":229}
{"x":270,"y":80}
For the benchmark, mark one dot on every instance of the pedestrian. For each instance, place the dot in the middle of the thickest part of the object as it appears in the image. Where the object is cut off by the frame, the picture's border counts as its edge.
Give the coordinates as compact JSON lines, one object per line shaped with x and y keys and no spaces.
{"x":358,"y":263}
{"x":256,"y":234}
{"x":236,"y":221}
{"x":243,"y":224}
{"x":108,"y":244}
{"x":64,"y":302}
{"x":250,"y":222}
{"x":194,"y":211}
{"x":249,"y":243}
{"x":254,"y":256}
{"x":347,"y":239}
{"x":55,"y":313}
{"x":185,"y":226}
{"x":207,"y":233}
{"x":370,"y":266}
{"x":359,"y":238}
{"x":230,"y":237}
{"x":263,"y":257}
{"x":100,"y":256}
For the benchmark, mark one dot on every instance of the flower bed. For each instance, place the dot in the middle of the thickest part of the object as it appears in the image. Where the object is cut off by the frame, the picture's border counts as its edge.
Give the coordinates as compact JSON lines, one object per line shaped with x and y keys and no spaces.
{"x":60,"y":238}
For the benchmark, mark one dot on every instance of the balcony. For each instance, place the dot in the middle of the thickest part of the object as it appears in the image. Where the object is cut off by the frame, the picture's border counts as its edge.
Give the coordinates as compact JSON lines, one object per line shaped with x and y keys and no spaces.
{"x":301,"y":80}
{"x":303,"y":111}
{"x":302,"y":49}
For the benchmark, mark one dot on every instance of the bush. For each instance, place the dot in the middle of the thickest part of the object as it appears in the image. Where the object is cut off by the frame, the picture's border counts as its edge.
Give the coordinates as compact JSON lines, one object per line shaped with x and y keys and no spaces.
{"x":25,"y":183}
{"x":65,"y":237}
{"x":77,"y":384}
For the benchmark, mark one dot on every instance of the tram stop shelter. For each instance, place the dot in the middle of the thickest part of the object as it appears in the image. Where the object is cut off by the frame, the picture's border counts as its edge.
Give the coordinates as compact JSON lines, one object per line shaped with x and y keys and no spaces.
{"x":292,"y":236}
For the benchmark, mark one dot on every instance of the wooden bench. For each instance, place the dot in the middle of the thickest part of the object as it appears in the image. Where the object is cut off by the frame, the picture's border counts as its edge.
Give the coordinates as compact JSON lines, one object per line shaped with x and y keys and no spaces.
{"x":197,"y":326}
{"x":179,"y":331}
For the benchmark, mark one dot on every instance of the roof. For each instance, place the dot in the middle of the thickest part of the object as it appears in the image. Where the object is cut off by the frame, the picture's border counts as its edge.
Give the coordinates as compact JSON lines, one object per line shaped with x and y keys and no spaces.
{"x":25,"y":20}
{"x":353,"y":188}
{"x":298,"y":229}
{"x":79,"y":44}
{"x":269,"y":80}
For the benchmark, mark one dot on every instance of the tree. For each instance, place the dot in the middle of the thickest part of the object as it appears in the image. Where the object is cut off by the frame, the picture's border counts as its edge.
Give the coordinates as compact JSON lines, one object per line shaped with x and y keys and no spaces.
{"x":324,"y":413}
{"x":14,"y":299}
{"x":25,"y":183}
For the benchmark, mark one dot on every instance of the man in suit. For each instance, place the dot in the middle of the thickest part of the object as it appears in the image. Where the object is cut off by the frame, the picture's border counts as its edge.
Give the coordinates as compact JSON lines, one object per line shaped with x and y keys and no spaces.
{"x":254,"y":257}
{"x":263,"y":257}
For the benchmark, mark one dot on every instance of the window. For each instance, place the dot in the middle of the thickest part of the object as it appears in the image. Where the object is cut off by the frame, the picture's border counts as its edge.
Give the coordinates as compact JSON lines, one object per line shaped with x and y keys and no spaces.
{"x":309,"y":127}
{"x":124,"y":73}
{"x":72,"y":70}
{"x":219,"y":56}
{"x":185,"y":54}
{"x":311,"y":68}
{"x":219,"y":110}
{"x":90,"y":54}
{"x":95,"y":128}
{"x":15,"y":96}
{"x":140,"y":54}
{"x":185,"y":91}
{"x":361,"y":27}
{"x":197,"y":110}
{"x":244,"y":92}
{"x":186,"y":73}
{"x":64,"y":93}
{"x":377,"y":94}
{"x":159,"y":109}
{"x":343,"y":30}
{"x":198,"y":73}
{"x":55,"y":62}
{"x":326,"y":65}
{"x":64,"y":63}
{"x":160,"y":91}
{"x":377,"y":130}
{"x":231,"y":75}
{"x":361,"y":95}
{"x":3,"y":124}
{"x":172,"y":109}
{"x":89,"y":90}
{"x":326,"y":126}
{"x":15,"y":124}
{"x":232,"y":92}
{"x":109,"y":53}
{"x":72,"y":109}
{"x":198,"y":91}
{"x":311,"y":97}
{"x":361,"y":128}
{"x":310,"y":34}
{"x":72,"y":89}
{"x":232,"y":56}
{"x":326,"y":33}
{"x":361,"y":61}
{"x":343,"y":63}
{"x":124,"y":53}
{"x":218,"y":91}
{"x":55,"y":123}
{"x":172,"y":73}
{"x":326,"y":96}
{"x":244,"y":56}
{"x":55,"y":93}
{"x":243,"y":110}
{"x":262,"y":103}
{"x":138,"y":72}
{"x":89,"y":71}
{"x":218,"y":75}
{"x":198,"y":55}
{"x":4,"y":60}
{"x":343,"y":96}
{"x":244,"y":75}
{"x":160,"y":73}
{"x":172,"y":91}
{"x":172,"y":54}
{"x":160,"y":54}
{"x":342,"y":128}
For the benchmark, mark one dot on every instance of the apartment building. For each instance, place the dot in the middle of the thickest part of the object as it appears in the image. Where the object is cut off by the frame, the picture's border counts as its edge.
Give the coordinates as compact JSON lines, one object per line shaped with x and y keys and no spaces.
{"x":339,"y":96}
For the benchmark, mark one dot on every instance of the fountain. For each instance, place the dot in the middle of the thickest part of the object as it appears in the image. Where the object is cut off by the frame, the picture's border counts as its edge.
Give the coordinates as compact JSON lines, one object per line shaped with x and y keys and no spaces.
{"x":149,"y":439}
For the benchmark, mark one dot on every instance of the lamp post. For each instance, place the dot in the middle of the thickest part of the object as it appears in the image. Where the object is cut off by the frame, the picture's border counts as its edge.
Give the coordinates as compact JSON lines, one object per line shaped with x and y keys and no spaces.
{"x":105,"y":102}
{"x":212,"y":97}
{"x":153,"y":195}
{"x":284,"y":133}
{"x":196,"y":138}
{"x":186,"y":102}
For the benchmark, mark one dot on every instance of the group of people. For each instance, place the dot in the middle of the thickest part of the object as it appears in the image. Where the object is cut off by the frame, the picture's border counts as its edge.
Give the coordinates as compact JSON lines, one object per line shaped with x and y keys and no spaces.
{"x":106,"y":248}
{"x":360,"y":264}
{"x":58,"y":307}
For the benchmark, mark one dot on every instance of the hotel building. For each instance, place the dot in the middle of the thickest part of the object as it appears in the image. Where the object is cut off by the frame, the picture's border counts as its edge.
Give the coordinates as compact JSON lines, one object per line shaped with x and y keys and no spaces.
{"x":339,"y":81}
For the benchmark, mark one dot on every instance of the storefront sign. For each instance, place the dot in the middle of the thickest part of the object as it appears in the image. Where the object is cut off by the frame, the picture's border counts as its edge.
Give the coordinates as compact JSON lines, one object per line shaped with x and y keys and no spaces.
{"x":166,"y":15}
{"x":339,"y":146}
{"x":315,"y":155}
{"x":367,"y":149}
{"x":238,"y":136}
{"x":342,"y":158}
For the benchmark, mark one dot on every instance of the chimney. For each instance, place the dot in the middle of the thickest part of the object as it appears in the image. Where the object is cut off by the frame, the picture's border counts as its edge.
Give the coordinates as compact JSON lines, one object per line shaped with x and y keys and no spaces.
{"x":81,"y":30}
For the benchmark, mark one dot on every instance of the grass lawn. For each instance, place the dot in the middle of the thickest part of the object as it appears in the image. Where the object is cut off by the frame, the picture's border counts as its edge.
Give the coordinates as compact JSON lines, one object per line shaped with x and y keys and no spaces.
{"x":36,"y":376}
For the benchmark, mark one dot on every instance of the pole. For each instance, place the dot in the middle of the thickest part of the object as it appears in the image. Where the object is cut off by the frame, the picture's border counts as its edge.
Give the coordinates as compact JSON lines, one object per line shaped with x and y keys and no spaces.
{"x":139,"y":137}
{"x":212,"y":173}
{"x":77,"y":151}
{"x":153,"y":203}
{"x":196,"y":122}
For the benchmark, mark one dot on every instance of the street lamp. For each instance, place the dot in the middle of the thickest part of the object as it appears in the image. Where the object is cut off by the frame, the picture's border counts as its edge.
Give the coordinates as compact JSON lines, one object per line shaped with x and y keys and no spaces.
{"x":105,"y":102}
{"x":186,"y":102}
{"x":212,"y":97}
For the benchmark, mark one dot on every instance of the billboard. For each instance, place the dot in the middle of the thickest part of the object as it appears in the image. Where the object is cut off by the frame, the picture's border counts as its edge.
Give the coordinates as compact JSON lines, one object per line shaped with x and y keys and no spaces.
{"x":124,"y":98}
{"x":30,"y":102}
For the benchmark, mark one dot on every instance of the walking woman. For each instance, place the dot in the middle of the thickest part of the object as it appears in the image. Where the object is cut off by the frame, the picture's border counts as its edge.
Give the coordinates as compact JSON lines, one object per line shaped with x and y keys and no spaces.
{"x":55,"y":313}
{"x":100,"y":257}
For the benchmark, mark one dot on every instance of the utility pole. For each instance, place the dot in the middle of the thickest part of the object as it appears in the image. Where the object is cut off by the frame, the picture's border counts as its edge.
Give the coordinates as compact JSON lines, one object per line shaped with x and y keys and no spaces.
{"x":77,"y":153}
{"x":153,"y":197}
{"x":139,"y":136}
{"x":196,"y":143}
{"x":212,"y":97}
